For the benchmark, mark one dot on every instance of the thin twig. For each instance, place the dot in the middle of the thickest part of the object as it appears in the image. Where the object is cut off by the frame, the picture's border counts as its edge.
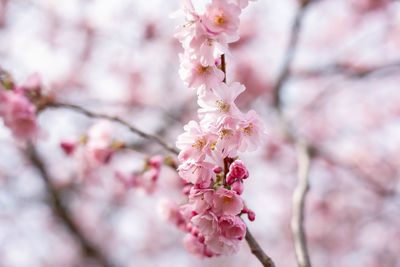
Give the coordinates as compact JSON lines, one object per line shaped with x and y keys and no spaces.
{"x":299,"y":195}
{"x":289,"y":55}
{"x":223,"y":67}
{"x":351,"y":72}
{"x":58,"y":207}
{"x":132,"y":128}
{"x":257,"y":250}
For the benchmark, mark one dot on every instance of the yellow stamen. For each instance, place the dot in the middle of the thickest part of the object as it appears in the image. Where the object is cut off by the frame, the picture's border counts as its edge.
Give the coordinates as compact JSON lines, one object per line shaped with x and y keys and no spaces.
{"x":220,"y":20}
{"x":200,"y":143}
{"x":222,"y":106}
{"x":225,"y":132}
{"x":248,"y":129}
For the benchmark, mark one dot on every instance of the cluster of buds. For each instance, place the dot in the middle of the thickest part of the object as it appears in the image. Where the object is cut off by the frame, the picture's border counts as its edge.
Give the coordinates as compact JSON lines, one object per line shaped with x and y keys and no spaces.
{"x":19,"y":105}
{"x":210,"y":166}
{"x":94,"y":149}
{"x":146,"y":180}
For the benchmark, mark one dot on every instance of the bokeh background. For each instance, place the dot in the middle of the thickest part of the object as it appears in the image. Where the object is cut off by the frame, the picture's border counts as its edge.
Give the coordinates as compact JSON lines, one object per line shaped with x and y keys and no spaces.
{"x":120,"y":58}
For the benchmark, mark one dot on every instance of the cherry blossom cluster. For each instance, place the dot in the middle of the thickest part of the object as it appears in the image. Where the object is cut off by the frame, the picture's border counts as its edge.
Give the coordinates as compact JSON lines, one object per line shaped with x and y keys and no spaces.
{"x":97,"y":148}
{"x":94,"y":149}
{"x":18,"y":106}
{"x":210,"y":168}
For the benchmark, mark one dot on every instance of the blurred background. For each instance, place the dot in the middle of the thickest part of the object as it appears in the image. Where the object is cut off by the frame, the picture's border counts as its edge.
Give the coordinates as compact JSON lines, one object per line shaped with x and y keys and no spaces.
{"x":120,"y":58}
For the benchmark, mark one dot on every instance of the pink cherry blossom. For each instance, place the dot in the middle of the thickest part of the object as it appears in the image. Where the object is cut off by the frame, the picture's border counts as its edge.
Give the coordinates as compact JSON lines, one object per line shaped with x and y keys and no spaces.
{"x":222,"y":245}
{"x":201,"y":199}
{"x":18,"y":114}
{"x":238,"y":187}
{"x":194,"y":143}
{"x":169,"y":211}
{"x":232,"y":227}
{"x":200,"y":173}
{"x":253,"y":132}
{"x":222,"y":17}
{"x":207,"y":223}
{"x":194,"y":246}
{"x":227,"y":202}
{"x":220,"y":102}
{"x":194,"y":74}
{"x":99,"y":142}
{"x":229,"y":139}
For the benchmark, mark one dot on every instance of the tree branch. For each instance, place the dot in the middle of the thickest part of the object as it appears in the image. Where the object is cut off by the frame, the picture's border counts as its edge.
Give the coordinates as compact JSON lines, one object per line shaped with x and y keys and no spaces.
{"x":289,"y":54}
{"x":299,"y":195}
{"x":304,"y":157}
{"x":132,"y":128}
{"x":348,"y":70}
{"x":257,"y":250}
{"x":61,"y":210}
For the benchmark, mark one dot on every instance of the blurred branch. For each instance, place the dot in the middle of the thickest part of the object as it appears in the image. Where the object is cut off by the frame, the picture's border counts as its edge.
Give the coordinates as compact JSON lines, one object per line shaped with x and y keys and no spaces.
{"x":304,"y":156}
{"x":289,"y":54}
{"x":257,"y":250}
{"x":132,"y":128}
{"x":348,"y":70}
{"x":299,"y":195}
{"x":61,"y":210}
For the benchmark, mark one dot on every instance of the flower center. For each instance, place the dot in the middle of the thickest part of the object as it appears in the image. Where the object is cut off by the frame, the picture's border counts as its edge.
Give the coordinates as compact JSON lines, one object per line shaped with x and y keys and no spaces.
{"x":219,"y":20}
{"x":224,"y":133}
{"x":226,"y":200}
{"x":200,"y":143}
{"x":248,"y":129}
{"x":201,"y":69}
{"x":222,"y":106}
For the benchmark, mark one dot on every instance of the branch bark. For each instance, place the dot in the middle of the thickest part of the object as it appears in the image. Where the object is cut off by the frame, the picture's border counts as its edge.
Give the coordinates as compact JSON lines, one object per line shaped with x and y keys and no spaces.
{"x":132,"y":128}
{"x":255,"y":248}
{"x":56,"y":203}
{"x":299,"y":195}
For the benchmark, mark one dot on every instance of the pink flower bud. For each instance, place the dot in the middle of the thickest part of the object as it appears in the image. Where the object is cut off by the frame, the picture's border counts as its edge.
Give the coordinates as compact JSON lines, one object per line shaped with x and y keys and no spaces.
{"x":201,"y":238}
{"x":251,"y":215}
{"x":217,"y":169}
{"x":195,"y":231}
{"x":237,"y":171}
{"x":68,"y":147}
{"x":156,"y":161}
{"x":238,"y":187}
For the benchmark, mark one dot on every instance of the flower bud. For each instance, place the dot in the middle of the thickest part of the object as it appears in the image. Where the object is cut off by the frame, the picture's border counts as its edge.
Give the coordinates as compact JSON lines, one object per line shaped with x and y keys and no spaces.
{"x":68,"y":147}
{"x":251,"y":215}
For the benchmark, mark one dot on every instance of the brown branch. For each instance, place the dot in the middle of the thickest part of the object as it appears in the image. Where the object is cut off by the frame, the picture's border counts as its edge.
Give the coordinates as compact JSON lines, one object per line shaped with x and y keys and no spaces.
{"x":289,"y":54}
{"x":257,"y":250}
{"x":304,"y":157}
{"x":223,"y":67}
{"x":55,"y":201}
{"x":132,"y":128}
{"x":299,"y":195}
